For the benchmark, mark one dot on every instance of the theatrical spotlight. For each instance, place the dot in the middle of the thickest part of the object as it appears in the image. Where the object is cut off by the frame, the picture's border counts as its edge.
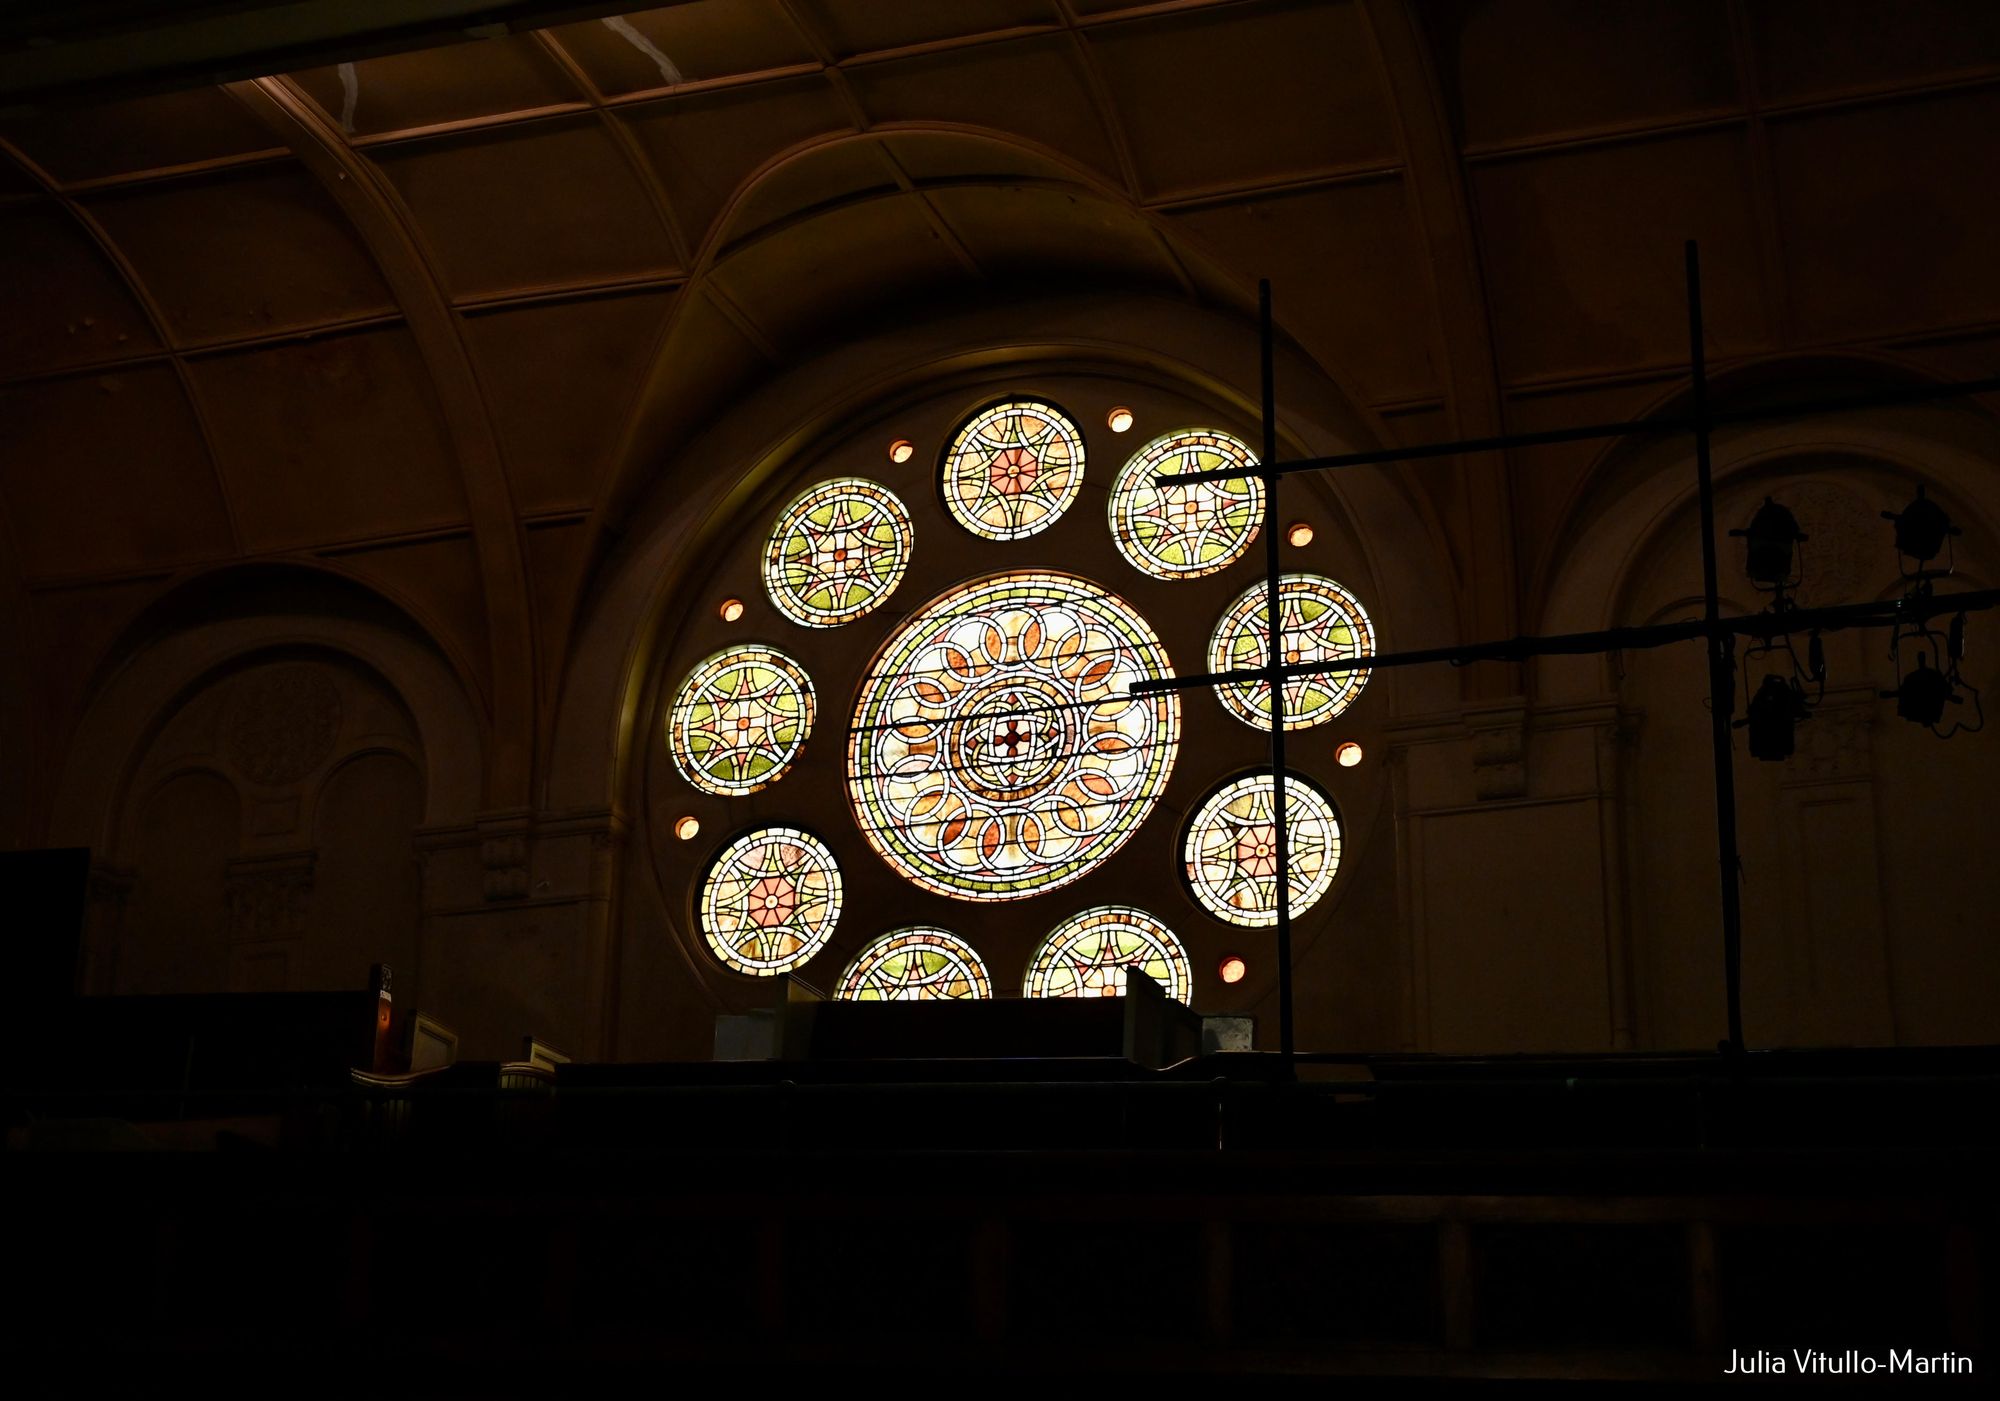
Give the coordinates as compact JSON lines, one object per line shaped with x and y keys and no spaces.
{"x":1922,"y":529}
{"x":1774,"y":714}
{"x":1923,"y":694}
{"x":1770,"y":537}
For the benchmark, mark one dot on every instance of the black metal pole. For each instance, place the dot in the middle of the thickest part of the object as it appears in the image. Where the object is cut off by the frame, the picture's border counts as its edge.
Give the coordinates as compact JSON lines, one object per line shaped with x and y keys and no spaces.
{"x":1274,"y":664}
{"x":1721,"y":668}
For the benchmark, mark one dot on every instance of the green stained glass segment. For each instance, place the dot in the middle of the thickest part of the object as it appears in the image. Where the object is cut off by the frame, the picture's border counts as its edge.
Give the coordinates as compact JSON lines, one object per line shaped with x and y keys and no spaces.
{"x":1087,"y":955}
{"x":995,"y":751}
{"x":1012,"y":469}
{"x":769,"y":900}
{"x":1320,"y":622}
{"x":739,"y":720}
{"x":915,"y":964}
{"x":1230,"y":851}
{"x":837,"y":551}
{"x":1186,"y":531}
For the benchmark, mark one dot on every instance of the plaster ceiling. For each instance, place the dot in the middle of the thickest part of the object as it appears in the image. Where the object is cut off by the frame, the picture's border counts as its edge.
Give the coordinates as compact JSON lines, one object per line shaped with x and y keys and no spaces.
{"x":405,"y":306}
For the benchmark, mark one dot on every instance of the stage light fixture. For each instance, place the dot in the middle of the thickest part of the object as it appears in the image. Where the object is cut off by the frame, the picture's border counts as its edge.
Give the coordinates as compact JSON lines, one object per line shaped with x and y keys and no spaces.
{"x":1770,"y":537}
{"x":1774,"y":714}
{"x":1922,"y":528}
{"x":1922,"y":696}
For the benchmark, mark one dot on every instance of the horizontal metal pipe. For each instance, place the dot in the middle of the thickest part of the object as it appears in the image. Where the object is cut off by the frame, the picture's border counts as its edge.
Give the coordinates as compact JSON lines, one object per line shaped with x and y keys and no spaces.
{"x":1677,"y":423}
{"x":1513,"y":649}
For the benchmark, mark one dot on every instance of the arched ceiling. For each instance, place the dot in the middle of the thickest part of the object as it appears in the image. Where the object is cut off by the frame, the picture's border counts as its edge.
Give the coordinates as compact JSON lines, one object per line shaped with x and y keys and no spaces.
{"x":422,"y":316}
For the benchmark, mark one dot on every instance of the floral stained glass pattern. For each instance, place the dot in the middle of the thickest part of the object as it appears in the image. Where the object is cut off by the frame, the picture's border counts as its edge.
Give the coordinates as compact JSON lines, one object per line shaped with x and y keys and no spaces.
{"x":1184,"y":532}
{"x":1087,"y":955}
{"x":837,"y":552}
{"x":907,"y":965}
{"x":995,"y":752}
{"x":1320,"y":622}
{"x":770,"y":900}
{"x":1231,"y":849}
{"x":1013,"y":469}
{"x":739,"y":719}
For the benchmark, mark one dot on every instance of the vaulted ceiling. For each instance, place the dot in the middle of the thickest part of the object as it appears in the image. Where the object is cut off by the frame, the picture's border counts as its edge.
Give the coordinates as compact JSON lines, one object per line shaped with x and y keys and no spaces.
{"x":431,"y":317}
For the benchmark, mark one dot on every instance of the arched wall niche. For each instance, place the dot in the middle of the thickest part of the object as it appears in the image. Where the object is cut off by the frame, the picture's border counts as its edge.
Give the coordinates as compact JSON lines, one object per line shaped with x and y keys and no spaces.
{"x":1859,"y":924}
{"x":256,"y":773}
{"x":836,"y":417}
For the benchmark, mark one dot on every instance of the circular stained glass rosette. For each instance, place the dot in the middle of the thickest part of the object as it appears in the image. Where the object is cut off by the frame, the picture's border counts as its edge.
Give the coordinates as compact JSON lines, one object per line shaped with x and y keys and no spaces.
{"x":837,"y":552}
{"x":739,"y":719}
{"x":915,"y":964}
{"x":1320,"y":621}
{"x":1013,"y":469}
{"x":770,"y":900}
{"x":1087,"y":955}
{"x":1184,"y":532}
{"x":995,"y":752}
{"x":1231,"y":849}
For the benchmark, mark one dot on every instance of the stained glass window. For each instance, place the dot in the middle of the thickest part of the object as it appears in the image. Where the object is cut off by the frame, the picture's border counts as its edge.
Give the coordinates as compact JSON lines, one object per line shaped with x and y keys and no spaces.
{"x":907,"y":965}
{"x":739,"y":719}
{"x":770,"y":900}
{"x":1320,"y":622}
{"x":1184,"y":532}
{"x":995,"y":753}
{"x":1231,"y":849}
{"x":1013,"y":469}
{"x":1087,"y":955}
{"x":836,"y":552}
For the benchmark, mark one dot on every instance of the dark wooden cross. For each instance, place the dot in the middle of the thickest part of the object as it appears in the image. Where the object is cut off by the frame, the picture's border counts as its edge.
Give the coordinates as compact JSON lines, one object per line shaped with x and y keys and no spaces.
{"x":1719,"y":632}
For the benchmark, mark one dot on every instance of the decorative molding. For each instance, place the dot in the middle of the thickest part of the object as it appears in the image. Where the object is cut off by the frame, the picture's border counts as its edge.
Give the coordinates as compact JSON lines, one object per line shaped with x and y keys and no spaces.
{"x":1499,"y":749}
{"x":267,"y":896}
{"x":281,"y":723}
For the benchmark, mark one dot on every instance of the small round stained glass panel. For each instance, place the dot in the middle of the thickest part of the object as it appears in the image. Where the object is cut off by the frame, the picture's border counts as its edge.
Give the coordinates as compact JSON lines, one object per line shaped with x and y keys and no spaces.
{"x":915,"y":964}
{"x":770,"y":900}
{"x":837,"y":552}
{"x":1184,"y":532}
{"x":739,"y":720}
{"x":1231,"y":849}
{"x":1320,"y":622}
{"x":1087,"y":955}
{"x":1013,"y":469}
{"x":995,"y":751}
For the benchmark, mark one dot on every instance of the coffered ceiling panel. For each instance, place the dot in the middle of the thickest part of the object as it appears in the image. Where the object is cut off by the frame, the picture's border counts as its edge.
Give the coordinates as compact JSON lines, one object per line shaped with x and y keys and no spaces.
{"x":1246,"y":95}
{"x":243,"y":251}
{"x":543,"y":203}
{"x":1034,"y":87}
{"x":107,"y":472}
{"x":1583,"y":253}
{"x":93,"y":142}
{"x":331,"y":439}
{"x":556,"y":431}
{"x":684,"y":44}
{"x":894,"y":24}
{"x":1889,"y":212}
{"x":65,"y":302}
{"x":1545,"y":68}
{"x":1347,"y":278}
{"x":705,"y":144}
{"x":431,"y":86}
{"x":1814,"y":47}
